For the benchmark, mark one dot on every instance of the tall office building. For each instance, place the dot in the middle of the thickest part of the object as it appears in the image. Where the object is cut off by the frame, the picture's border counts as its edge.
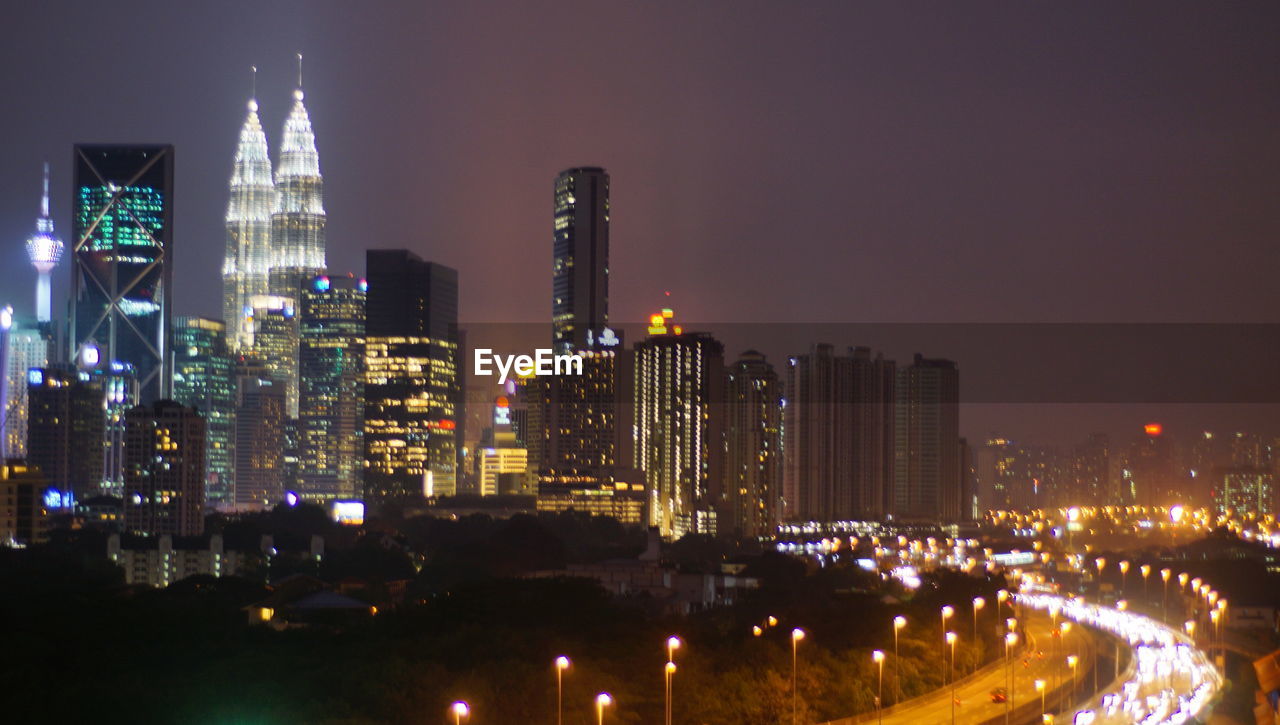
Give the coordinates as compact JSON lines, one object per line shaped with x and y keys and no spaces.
{"x":839,"y":435}
{"x":1091,"y":471}
{"x":164,"y":470}
{"x":122,"y":219}
{"x":45,"y":250}
{"x":274,"y":324}
{"x":247,"y":266}
{"x":753,"y":447}
{"x":22,"y":347}
{"x":65,"y":429}
{"x":259,"y":437}
{"x":298,"y":218}
{"x":679,"y":426}
{"x":502,"y":461}
{"x":119,"y":383}
{"x":331,"y":315}
{"x":204,"y":379}
{"x":413,"y":379}
{"x":580,"y":266}
{"x":927,"y":465}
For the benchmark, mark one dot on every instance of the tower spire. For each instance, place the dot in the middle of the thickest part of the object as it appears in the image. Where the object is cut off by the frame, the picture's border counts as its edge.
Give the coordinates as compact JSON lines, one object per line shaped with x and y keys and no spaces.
{"x":253,"y":82}
{"x":299,"y":71}
{"x":44,"y":200}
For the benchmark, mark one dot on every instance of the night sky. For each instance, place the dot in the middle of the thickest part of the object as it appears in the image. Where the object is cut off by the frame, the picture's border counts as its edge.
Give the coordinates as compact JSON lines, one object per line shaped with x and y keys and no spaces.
{"x":771,"y":162}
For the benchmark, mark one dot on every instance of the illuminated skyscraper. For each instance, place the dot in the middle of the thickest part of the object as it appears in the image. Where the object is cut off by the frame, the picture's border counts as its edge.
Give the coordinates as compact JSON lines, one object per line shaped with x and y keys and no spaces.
{"x":248,"y":261}
{"x":580,"y":265}
{"x":164,"y":470}
{"x":258,"y":448}
{"x":679,"y":392}
{"x":753,"y":448}
{"x":28,"y":347}
{"x":45,"y":250}
{"x":298,"y":218}
{"x":275,"y":343}
{"x":204,"y":378}
{"x":927,"y":461}
{"x":122,"y":215}
{"x":331,"y":314}
{"x":65,"y":429}
{"x":413,"y":387}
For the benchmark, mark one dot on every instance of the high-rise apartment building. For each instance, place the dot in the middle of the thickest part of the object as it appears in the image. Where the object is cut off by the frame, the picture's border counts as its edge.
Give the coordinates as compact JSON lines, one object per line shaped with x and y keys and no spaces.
{"x":204,"y":379}
{"x":839,"y":419}
{"x":247,"y":266}
{"x":331,"y":319}
{"x":258,"y":437}
{"x":753,"y":448}
{"x":122,"y":224}
{"x":1091,"y":471}
{"x":679,"y":426}
{"x":927,"y":465}
{"x":580,"y":264}
{"x":164,"y":470}
{"x":65,"y":429}
{"x":23,"y":516}
{"x":413,"y":379}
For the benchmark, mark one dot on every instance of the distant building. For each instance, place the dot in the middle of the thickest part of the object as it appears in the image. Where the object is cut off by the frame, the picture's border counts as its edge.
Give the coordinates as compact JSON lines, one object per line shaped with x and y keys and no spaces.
{"x":413,"y":379}
{"x":120,"y":385}
{"x":164,"y":470}
{"x":622,"y":496}
{"x":1091,"y":471}
{"x":580,"y":257}
{"x":247,"y":265}
{"x":502,"y":460}
{"x":927,"y":465}
{"x":679,"y":426}
{"x":331,"y":314}
{"x":28,"y":346}
{"x":122,"y":222}
{"x":204,"y":378}
{"x":1149,"y":473}
{"x":23,"y":517}
{"x":753,"y":448}
{"x":66,"y":429}
{"x":275,"y":343}
{"x":162,"y":560}
{"x":259,"y":442}
{"x":839,"y":426}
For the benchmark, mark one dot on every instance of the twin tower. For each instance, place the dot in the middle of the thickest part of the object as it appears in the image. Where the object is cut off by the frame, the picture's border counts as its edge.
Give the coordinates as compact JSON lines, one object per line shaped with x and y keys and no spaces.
{"x":275,"y":223}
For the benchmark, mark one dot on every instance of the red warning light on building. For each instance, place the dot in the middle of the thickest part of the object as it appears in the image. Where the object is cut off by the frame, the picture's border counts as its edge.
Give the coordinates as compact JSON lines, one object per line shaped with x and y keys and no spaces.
{"x":1153,"y":429}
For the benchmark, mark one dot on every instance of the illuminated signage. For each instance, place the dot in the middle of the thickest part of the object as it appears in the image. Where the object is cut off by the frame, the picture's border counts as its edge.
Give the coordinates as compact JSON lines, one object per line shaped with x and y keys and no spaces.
{"x":349,"y":513}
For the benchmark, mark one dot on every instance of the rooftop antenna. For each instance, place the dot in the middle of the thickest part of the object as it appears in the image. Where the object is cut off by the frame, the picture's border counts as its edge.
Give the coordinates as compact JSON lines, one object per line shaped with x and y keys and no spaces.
{"x":299,"y":70}
{"x":44,"y":200}
{"x":253,"y":84}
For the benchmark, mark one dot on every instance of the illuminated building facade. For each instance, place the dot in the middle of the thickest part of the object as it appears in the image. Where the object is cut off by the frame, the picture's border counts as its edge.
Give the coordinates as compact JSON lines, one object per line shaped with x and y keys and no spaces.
{"x":753,"y":448}
{"x":258,"y":438}
{"x":839,"y":435}
{"x":413,"y":386}
{"x":122,"y":218}
{"x":119,"y":383}
{"x":247,"y":265}
{"x":502,"y":460}
{"x":622,"y":497}
{"x":927,"y":482}
{"x":66,"y":429}
{"x":679,"y":394}
{"x":275,"y":343}
{"x":331,"y":318}
{"x":204,"y":379}
{"x":580,"y":264}
{"x":23,"y":347}
{"x":164,"y":470}
{"x":44,"y":250}
{"x":23,"y":517}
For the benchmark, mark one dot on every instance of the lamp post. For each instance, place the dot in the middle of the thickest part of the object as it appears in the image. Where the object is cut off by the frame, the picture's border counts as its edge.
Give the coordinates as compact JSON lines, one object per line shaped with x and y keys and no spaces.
{"x":669,"y":674}
{"x":1010,"y":683}
{"x":1040,"y":689}
{"x":978,"y":603}
{"x":1145,"y":570}
{"x":947,"y":611}
{"x":562,"y":664}
{"x":898,"y":623}
{"x":1072,"y":661}
{"x":1124,"y":576}
{"x":673,"y":644}
{"x":878,"y":657}
{"x":459,"y":710}
{"x":1164,"y":595}
{"x":797,"y":634}
{"x":951,"y":641}
{"x":603,"y":700}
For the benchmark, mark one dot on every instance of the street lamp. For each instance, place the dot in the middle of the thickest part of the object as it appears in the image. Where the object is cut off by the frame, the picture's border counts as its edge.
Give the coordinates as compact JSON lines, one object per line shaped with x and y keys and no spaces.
{"x":673,"y":644}
{"x":797,"y":634}
{"x":603,"y":700}
{"x":951,"y":640}
{"x":898,"y":623}
{"x":1164,"y":595}
{"x":756,"y":631}
{"x":459,"y":710}
{"x":978,"y":603}
{"x":1145,"y":570}
{"x":1010,"y":683}
{"x":1124,"y":576}
{"x":562,"y":664}
{"x":1040,"y":689}
{"x":947,"y":611}
{"x":878,"y":657}
{"x":1072,"y":661}
{"x":669,"y":673}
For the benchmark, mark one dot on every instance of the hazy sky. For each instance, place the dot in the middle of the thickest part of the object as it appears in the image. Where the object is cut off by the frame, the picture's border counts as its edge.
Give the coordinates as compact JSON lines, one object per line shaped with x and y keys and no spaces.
{"x":771,"y":161}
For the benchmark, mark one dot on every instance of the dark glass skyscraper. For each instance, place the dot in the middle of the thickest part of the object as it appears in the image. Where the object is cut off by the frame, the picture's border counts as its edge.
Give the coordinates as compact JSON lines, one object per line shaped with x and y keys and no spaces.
{"x":331,"y":392}
{"x":413,"y":387}
{"x":204,"y":378}
{"x":65,"y":429}
{"x":122,"y":224}
{"x":580,"y":268}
